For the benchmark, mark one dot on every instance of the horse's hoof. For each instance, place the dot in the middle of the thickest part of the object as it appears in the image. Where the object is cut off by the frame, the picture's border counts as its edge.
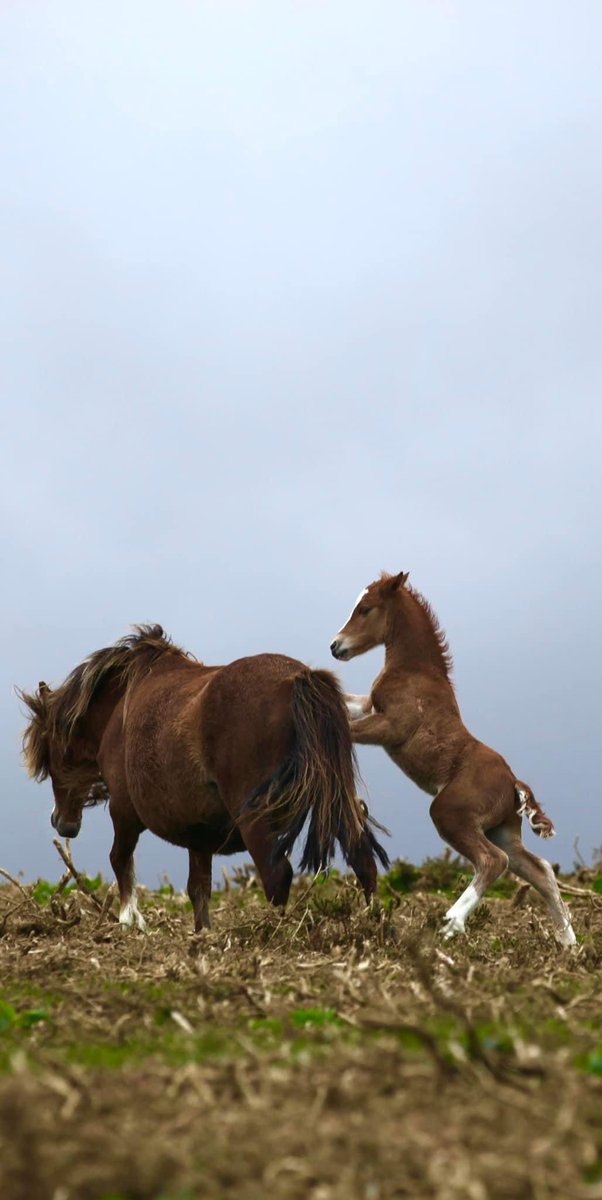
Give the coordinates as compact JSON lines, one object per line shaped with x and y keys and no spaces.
{"x":131,"y":916}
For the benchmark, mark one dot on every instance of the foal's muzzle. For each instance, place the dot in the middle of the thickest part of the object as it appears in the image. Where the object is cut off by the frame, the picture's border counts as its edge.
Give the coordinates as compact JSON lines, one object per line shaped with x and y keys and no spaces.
{"x":336,"y":649}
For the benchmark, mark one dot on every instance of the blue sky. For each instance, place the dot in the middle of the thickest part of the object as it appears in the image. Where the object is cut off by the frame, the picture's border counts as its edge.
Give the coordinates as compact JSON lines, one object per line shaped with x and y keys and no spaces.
{"x":293,"y":292}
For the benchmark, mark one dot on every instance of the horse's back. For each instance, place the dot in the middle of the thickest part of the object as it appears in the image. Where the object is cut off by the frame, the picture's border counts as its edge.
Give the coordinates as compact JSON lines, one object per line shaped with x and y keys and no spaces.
{"x":199,"y":740}
{"x":167,"y":777}
{"x":247,"y":725}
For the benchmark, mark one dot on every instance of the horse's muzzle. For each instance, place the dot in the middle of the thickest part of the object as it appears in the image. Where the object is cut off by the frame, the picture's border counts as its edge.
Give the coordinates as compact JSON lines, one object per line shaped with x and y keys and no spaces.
{"x":66,"y":829}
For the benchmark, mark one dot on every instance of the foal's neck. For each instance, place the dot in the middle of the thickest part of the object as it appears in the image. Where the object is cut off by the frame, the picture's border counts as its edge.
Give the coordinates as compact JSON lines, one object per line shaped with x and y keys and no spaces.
{"x":411,"y":643}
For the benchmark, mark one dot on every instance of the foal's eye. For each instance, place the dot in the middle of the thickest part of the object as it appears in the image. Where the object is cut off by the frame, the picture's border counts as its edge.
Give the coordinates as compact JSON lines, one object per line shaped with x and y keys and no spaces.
{"x":363,"y":612}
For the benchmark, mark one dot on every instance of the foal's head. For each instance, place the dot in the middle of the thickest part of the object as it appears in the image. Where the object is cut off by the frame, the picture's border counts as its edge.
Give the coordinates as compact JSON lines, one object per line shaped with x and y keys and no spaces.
{"x":370,"y":617}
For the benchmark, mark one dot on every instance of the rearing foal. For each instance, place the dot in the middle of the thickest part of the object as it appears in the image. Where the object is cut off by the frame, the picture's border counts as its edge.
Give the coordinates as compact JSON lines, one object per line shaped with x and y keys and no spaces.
{"x":215,"y":759}
{"x":413,"y":713}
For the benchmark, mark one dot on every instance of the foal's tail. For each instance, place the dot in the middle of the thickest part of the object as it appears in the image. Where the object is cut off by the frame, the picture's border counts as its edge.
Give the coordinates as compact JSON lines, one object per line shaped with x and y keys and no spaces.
{"x":528,"y":807}
{"x":318,"y":779}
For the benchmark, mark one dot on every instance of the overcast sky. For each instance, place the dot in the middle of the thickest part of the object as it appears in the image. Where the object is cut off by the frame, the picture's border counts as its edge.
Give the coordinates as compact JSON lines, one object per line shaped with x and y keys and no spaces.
{"x":295,"y":291}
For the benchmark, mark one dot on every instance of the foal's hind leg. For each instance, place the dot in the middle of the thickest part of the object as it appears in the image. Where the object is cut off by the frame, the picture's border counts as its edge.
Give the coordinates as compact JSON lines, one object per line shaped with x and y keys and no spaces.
{"x":456,"y":825}
{"x":199,"y":887}
{"x":127,"y":829}
{"x":539,"y":874}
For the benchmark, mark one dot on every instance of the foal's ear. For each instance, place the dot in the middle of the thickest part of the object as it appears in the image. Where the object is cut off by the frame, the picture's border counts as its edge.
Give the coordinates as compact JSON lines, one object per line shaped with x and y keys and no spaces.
{"x":397,"y":581}
{"x":43,"y":690}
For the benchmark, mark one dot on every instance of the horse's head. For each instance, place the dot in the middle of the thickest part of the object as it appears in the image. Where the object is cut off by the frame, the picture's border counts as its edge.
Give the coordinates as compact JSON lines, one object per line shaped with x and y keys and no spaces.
{"x":46,"y":757}
{"x":369,"y":620}
{"x":65,"y":728}
{"x":66,"y":816}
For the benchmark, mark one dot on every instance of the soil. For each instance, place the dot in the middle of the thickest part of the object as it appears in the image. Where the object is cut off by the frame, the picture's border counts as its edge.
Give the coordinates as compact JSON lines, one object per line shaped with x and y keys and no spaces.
{"x":337,"y":1052}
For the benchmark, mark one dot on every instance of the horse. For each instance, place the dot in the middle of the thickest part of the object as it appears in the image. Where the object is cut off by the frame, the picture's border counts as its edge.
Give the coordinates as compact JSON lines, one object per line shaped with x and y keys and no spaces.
{"x":413,"y":713}
{"x":216,"y":759}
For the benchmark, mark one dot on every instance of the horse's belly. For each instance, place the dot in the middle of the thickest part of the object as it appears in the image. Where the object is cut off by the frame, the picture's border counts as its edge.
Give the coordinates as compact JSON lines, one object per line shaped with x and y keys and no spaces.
{"x":170,"y":811}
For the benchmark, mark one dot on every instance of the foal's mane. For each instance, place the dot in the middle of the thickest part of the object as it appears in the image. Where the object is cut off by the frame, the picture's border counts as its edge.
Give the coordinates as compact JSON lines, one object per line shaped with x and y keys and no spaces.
{"x":56,"y":713}
{"x":433,"y":623}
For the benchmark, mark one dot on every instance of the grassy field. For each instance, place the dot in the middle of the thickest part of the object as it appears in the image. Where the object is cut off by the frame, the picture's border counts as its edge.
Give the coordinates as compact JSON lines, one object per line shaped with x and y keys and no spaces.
{"x":335,"y":1053}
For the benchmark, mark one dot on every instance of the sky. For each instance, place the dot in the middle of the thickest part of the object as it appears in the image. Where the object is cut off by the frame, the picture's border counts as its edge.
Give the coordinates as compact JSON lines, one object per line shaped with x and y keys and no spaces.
{"x":295,"y":291}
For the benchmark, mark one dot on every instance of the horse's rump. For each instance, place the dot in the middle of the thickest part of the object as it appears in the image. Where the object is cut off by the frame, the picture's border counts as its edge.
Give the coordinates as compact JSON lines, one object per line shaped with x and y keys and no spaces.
{"x":290,"y":751}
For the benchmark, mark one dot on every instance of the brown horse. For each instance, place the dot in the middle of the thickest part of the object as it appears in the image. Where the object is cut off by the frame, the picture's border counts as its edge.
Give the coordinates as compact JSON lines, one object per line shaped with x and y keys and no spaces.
{"x":215,"y":759}
{"x":413,"y":713}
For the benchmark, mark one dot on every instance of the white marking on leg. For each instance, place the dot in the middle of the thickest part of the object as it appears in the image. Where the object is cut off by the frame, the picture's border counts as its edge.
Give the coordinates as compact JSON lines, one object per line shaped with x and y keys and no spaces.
{"x":558,"y":909}
{"x":130,"y":914}
{"x":528,"y":810}
{"x":455,"y":916}
{"x":539,"y":873}
{"x":566,"y":935}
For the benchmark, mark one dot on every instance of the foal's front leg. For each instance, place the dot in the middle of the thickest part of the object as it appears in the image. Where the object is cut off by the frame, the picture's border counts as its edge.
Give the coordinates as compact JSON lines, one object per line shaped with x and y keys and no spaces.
{"x":373,"y":730}
{"x":357,"y":706}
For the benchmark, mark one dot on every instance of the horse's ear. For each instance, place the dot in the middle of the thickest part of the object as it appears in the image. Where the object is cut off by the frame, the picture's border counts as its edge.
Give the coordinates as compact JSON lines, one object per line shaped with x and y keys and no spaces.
{"x":43,"y":690}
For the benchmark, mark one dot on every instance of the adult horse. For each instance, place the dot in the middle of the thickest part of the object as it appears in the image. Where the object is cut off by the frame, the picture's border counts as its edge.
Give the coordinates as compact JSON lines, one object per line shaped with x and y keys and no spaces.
{"x":215,"y":759}
{"x":412,"y":711}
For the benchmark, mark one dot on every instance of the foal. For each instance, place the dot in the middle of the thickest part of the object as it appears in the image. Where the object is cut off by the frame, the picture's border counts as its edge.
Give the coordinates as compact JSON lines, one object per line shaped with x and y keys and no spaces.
{"x":413,"y":713}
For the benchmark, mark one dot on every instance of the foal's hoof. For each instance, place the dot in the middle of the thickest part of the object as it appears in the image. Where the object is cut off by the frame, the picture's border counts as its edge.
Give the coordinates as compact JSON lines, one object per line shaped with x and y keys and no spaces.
{"x":566,"y":937}
{"x":451,"y":927}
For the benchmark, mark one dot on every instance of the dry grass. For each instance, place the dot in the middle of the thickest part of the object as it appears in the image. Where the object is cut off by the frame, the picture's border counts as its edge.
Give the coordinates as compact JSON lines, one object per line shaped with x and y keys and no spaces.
{"x":335,"y":1053}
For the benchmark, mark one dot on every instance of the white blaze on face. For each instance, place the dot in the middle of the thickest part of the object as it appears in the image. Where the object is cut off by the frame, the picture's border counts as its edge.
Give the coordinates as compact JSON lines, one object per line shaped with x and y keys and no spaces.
{"x":360,"y":597}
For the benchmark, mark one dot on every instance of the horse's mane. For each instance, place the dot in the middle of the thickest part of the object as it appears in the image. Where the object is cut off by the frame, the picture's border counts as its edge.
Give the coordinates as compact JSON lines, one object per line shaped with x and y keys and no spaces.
{"x":56,"y":713}
{"x":433,"y":622}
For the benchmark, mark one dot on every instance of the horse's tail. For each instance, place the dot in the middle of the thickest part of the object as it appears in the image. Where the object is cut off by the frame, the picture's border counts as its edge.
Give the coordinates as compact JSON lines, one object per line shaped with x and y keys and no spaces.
{"x":528,"y":807}
{"x":318,"y":779}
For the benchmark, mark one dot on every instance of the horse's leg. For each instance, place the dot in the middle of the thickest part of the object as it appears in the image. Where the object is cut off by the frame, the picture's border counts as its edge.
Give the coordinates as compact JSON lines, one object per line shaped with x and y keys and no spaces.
{"x":538,"y":873}
{"x":199,"y":887}
{"x":455,"y":823}
{"x":127,"y":828}
{"x":275,"y":871}
{"x":361,"y":860}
